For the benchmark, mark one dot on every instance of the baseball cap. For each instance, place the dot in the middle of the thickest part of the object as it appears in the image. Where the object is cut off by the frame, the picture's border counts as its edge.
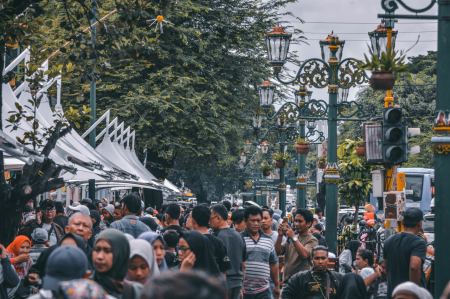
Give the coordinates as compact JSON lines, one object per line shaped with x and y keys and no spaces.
{"x":86,"y":201}
{"x":73,"y":257}
{"x":82,"y":209}
{"x":414,"y":215}
{"x":39,"y":235}
{"x":28,"y":209}
{"x":46,"y":202}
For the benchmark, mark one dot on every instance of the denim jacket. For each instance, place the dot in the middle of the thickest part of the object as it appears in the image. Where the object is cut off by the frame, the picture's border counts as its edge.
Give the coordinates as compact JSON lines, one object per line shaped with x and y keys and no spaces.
{"x":130,"y":225}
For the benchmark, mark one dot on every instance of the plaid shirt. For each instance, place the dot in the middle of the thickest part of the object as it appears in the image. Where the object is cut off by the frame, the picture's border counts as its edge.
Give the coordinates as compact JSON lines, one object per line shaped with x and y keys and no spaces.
{"x":36,"y":251}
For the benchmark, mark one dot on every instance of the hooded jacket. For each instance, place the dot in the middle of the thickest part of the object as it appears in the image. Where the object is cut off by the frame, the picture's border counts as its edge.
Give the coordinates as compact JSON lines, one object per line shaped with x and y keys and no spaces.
{"x":296,"y":286}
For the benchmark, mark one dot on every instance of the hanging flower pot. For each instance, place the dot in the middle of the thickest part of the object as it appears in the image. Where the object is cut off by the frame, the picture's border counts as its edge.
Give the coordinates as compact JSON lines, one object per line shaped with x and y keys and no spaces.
{"x":322,"y":165}
{"x":302,"y":148}
{"x":382,"y":80}
{"x":266,"y":172}
{"x":280,"y":164}
{"x":245,"y":188}
{"x":360,"y":151}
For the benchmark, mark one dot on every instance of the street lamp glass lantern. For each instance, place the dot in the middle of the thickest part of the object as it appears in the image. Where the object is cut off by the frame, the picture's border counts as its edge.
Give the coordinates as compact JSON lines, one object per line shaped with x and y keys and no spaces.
{"x":343,"y":95}
{"x":277,"y":42}
{"x":266,"y":92}
{"x":243,"y":157}
{"x":331,"y":45}
{"x":379,"y":39}
{"x":308,"y":96}
{"x":265,"y":147}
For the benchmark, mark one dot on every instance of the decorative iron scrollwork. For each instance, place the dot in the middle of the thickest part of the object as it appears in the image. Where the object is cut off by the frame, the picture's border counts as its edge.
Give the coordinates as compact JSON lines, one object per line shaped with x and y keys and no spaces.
{"x":391,"y":6}
{"x":351,"y":109}
{"x":312,"y":72}
{"x":320,"y":136}
{"x":350,"y":75}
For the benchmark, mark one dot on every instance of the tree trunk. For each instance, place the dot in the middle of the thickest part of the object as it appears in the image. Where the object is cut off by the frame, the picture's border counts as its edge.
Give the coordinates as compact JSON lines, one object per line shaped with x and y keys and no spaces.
{"x":355,"y":218}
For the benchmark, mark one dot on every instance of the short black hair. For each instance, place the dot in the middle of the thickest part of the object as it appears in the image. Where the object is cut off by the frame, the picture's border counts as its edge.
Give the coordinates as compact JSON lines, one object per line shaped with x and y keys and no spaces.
{"x":164,"y":207}
{"x":270,"y":211}
{"x":366,"y":255}
{"x":317,"y":248}
{"x":252,"y":210}
{"x":132,"y":202}
{"x":59,"y":207}
{"x":309,"y":218}
{"x":349,"y":220}
{"x":227,"y":204}
{"x":174,"y":211}
{"x":171,"y":238}
{"x":118,"y":206}
{"x":150,"y":210}
{"x":237,"y":216}
{"x":201,"y":215}
{"x":318,"y":226}
{"x":220,"y":210}
{"x":318,"y":210}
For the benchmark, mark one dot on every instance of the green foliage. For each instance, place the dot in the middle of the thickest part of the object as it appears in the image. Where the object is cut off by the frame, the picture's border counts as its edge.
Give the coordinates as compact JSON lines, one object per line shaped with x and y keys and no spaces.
{"x":300,"y":140}
{"x":321,"y":159}
{"x":391,"y":61}
{"x":266,"y":167}
{"x":295,"y":168}
{"x":356,"y":180}
{"x":282,"y":157}
{"x":418,"y":100}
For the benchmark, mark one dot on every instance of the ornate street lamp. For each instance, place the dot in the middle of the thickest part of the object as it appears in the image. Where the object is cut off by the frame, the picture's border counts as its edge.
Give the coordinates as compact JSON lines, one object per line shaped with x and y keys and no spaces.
{"x":277,"y":43}
{"x":342,"y":95}
{"x":311,"y":125}
{"x":331,"y":43}
{"x":243,"y":157}
{"x":379,"y":39}
{"x":257,"y":123}
{"x":266,"y":91}
{"x":302,"y":96}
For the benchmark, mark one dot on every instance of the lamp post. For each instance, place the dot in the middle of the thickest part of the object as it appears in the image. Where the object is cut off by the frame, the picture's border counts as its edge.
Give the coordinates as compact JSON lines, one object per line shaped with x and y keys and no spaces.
{"x":332,"y":72}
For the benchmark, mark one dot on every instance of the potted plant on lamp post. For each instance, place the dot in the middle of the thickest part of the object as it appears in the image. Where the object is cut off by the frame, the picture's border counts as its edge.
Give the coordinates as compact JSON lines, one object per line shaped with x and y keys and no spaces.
{"x":322,"y":162}
{"x":302,"y":146}
{"x":281,"y":159}
{"x":266,"y":168}
{"x":360,"y":150}
{"x":383,"y":68}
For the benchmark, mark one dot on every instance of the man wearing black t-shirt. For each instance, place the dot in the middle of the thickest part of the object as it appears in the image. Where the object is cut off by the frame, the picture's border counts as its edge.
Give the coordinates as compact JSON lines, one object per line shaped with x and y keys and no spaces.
{"x":173,"y":214}
{"x":405,"y":253}
{"x":200,"y":219}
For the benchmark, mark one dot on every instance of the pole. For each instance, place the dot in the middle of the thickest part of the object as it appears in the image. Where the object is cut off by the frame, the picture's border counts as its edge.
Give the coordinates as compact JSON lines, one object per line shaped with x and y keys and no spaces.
{"x":441,"y":145}
{"x":331,"y":185}
{"x":301,"y":164}
{"x":282,"y":187}
{"x":92,"y":190}
{"x":93,"y":85}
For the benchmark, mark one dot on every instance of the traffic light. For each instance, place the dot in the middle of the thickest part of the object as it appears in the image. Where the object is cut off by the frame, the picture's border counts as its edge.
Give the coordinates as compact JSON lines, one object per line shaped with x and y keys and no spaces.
{"x":395,"y":137}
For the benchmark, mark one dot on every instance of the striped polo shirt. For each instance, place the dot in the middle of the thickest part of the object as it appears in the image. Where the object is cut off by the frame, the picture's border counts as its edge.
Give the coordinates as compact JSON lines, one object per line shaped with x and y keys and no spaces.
{"x":260,"y":255}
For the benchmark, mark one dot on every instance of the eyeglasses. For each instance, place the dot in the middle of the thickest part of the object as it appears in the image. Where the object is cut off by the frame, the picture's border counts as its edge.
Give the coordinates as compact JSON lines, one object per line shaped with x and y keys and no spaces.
{"x":183,"y":249}
{"x":50,"y":210}
{"x":213,"y":217}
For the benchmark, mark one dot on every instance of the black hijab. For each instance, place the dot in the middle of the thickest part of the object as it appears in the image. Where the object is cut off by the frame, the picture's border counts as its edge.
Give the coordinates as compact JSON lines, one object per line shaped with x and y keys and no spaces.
{"x":352,"y":287}
{"x":79,"y":240}
{"x":150,"y":222}
{"x":92,"y":206}
{"x":353,"y":246}
{"x":200,"y":246}
{"x":96,"y":215}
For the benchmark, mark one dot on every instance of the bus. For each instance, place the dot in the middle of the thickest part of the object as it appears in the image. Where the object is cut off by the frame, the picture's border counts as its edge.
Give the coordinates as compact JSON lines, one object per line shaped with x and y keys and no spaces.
{"x":419,"y":186}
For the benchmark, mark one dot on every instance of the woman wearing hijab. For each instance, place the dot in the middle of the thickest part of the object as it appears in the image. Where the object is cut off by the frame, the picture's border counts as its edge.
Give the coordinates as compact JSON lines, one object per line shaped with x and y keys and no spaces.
{"x":111,"y":257}
{"x":194,"y":252}
{"x":108,"y":217}
{"x":17,"y":252}
{"x":143,"y":265}
{"x":95,"y":216}
{"x":351,"y":286}
{"x":159,"y":246}
{"x":348,"y":257}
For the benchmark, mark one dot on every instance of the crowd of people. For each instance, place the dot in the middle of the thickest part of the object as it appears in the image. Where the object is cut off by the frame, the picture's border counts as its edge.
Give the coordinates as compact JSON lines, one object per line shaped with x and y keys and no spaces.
{"x":122,"y":250}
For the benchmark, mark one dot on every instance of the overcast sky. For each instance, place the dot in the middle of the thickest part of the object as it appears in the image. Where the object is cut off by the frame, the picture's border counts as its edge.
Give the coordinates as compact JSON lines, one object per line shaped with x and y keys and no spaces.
{"x":363,"y":12}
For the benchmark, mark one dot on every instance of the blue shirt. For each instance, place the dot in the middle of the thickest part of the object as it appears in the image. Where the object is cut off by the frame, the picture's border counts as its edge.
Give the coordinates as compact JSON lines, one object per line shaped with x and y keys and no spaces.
{"x":130,"y":224}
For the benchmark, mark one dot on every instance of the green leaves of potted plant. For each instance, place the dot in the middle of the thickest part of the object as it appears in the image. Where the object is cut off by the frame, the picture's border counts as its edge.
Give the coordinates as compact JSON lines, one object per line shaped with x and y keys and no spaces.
{"x":295,"y":170}
{"x":322,"y":162}
{"x":383,"y":68}
{"x":266,"y":168}
{"x":281,"y":159}
{"x":302,"y":146}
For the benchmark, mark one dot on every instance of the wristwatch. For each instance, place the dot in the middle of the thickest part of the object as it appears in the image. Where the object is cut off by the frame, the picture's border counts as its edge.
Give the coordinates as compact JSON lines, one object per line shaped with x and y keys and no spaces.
{"x":295,"y":239}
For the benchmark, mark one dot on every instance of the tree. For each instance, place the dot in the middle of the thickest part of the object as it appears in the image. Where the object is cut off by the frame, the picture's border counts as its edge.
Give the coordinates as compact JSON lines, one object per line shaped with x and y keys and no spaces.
{"x":356,"y":180}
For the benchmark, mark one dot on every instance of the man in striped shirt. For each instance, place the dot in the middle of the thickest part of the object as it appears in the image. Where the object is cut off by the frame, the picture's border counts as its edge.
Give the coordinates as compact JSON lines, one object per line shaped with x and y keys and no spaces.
{"x":261,"y":258}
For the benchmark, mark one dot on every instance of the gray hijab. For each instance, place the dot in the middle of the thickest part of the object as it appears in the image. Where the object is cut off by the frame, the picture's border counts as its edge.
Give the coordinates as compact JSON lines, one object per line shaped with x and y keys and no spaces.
{"x":143,"y":249}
